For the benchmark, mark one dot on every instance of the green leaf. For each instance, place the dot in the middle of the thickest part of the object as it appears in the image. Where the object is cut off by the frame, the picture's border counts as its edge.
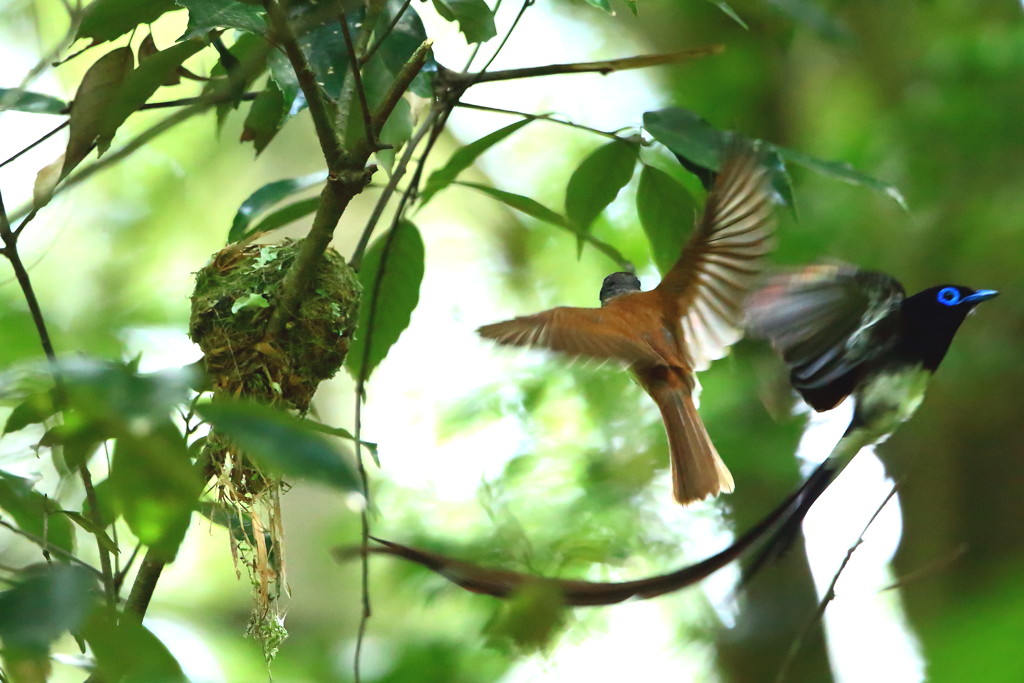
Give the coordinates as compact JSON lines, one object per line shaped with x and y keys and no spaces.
{"x":326,"y":52}
{"x":286,"y":214}
{"x":729,"y":12}
{"x":699,"y":143}
{"x":117,"y":396}
{"x":537,"y":210}
{"x":34,"y":513}
{"x":155,"y":486}
{"x":475,"y":18}
{"x":265,"y":197}
{"x":464,"y":158}
{"x":631,"y":4}
{"x":250,"y":300}
{"x":98,"y":89}
{"x":596,"y":182}
{"x":342,"y":433}
{"x":280,"y":442}
{"x":841,"y":170}
{"x":37,"y":408}
{"x":530,"y":207}
{"x":665,"y":209}
{"x":267,"y":115}
{"x":107,"y":19}
{"x":395,"y":132}
{"x":282,"y":73}
{"x":391,"y":273}
{"x":127,"y":652}
{"x":606,"y":5}
{"x":687,"y":134}
{"x":140,"y":85}
{"x":206,"y":15}
{"x":45,"y":602}
{"x":13,"y":99}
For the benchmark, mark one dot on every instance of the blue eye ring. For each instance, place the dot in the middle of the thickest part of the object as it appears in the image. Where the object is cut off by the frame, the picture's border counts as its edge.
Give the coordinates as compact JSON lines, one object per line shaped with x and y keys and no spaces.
{"x":948,"y":296}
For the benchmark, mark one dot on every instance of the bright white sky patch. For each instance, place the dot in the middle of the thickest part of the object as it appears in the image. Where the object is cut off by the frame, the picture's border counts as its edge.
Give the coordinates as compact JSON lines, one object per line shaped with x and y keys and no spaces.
{"x":866,"y":629}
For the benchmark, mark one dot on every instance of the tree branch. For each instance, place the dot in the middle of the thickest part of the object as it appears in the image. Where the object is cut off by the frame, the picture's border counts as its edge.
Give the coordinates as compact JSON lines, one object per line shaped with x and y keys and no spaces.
{"x":341,"y":187}
{"x":316,"y":99}
{"x":464,"y":80}
{"x":144,"y":586}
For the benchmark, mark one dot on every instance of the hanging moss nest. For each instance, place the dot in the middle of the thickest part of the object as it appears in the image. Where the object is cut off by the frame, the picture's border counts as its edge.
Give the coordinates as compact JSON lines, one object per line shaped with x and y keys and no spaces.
{"x":234,"y":297}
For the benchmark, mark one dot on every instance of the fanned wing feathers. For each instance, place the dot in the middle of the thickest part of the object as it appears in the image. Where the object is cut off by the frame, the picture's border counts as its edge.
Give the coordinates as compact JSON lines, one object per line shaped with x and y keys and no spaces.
{"x":591,"y":332}
{"x":723,"y":258}
{"x":826,"y":321}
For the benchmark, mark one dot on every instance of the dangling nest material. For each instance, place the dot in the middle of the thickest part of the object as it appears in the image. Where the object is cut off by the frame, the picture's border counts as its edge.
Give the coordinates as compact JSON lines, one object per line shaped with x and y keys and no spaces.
{"x":234,"y":297}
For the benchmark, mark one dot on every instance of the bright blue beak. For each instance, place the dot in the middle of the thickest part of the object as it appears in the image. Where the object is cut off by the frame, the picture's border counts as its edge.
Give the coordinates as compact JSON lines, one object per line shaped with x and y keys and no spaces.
{"x":979,"y":296}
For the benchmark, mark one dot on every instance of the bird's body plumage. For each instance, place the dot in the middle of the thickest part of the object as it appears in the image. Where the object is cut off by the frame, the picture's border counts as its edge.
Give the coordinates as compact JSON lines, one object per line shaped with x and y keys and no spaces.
{"x":667,"y":334}
{"x":844,"y":331}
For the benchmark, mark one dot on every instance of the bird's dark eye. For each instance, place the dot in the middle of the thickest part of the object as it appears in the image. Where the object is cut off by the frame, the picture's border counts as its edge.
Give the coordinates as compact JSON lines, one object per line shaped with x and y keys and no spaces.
{"x":948,"y":296}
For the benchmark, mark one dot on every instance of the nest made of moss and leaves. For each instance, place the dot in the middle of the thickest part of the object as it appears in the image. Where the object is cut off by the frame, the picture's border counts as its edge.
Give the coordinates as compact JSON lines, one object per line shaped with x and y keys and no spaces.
{"x":233,"y":300}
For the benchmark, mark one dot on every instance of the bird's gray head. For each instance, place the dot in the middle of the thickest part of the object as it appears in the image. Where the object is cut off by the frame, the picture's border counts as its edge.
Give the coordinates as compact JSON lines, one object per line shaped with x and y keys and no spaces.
{"x":618,"y":283}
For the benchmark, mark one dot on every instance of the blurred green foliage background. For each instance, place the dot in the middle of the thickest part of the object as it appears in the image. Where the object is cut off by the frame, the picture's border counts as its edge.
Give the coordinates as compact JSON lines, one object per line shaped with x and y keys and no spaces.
{"x":520,"y":461}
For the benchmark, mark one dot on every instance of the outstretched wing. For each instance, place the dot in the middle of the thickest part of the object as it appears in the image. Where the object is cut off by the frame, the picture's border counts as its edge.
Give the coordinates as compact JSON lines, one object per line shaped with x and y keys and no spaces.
{"x":826,"y":321}
{"x":722,"y":258}
{"x":591,"y":332}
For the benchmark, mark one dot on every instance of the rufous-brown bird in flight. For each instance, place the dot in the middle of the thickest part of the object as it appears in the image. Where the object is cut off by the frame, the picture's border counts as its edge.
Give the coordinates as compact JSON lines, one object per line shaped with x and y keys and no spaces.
{"x":667,"y":334}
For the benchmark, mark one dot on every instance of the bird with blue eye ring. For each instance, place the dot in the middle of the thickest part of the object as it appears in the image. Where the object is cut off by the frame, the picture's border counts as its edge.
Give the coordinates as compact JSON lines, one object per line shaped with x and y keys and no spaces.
{"x":845,"y":332}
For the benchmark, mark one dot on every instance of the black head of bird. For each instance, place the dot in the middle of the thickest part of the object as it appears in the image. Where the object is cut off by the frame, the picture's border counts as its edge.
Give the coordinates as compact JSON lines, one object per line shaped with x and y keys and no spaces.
{"x":933,"y":316}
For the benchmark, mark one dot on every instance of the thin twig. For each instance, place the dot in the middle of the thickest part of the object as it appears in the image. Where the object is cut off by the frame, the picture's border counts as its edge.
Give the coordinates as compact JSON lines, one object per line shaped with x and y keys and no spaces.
{"x":508,"y":34}
{"x":930,"y":568}
{"x":10,"y":250}
{"x":364,"y":520}
{"x":368,"y":55}
{"x":128,"y":148}
{"x":551,"y":118}
{"x":479,"y":46}
{"x":830,"y":593}
{"x":49,"y":547}
{"x":357,"y":79}
{"x":186,"y":101}
{"x":33,"y":145}
{"x":603,"y":67}
{"x":348,"y":88}
{"x":364,"y":239}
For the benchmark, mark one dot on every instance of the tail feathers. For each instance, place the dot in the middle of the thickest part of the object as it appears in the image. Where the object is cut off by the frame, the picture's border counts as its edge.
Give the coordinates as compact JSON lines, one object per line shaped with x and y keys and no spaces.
{"x":797,"y":506}
{"x":697,"y":469}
